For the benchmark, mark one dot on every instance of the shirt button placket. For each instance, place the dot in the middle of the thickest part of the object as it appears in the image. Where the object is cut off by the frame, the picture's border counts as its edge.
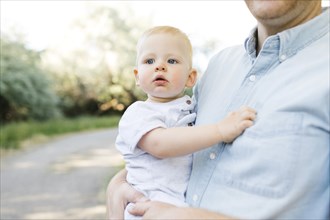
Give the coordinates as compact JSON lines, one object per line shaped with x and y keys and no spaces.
{"x":212,"y":156}
{"x":252,"y":78}
{"x":195,"y":198}
{"x":282,"y":57}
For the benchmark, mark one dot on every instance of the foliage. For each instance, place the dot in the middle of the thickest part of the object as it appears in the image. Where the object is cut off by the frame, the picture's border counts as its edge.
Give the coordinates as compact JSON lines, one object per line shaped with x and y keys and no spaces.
{"x":93,"y":66}
{"x":25,"y":91}
{"x":13,"y":134}
{"x":89,"y":71}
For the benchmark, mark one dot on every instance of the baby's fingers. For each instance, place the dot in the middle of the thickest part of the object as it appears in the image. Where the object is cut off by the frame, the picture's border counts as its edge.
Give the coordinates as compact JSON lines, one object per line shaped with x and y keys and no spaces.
{"x":247,"y":109}
{"x":245,"y":124}
{"x":247,"y":115}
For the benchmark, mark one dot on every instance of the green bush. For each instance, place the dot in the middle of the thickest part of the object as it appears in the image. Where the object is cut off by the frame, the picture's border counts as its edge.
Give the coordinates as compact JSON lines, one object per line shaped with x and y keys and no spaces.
{"x":25,"y":91}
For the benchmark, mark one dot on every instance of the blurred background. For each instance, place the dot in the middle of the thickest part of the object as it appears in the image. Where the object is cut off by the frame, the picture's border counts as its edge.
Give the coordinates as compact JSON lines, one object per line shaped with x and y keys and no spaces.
{"x":67,"y":66}
{"x":74,"y":58}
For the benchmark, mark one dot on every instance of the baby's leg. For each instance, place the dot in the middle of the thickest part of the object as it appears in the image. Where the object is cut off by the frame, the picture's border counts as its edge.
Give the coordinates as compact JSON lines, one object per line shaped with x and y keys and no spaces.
{"x":129,"y":216}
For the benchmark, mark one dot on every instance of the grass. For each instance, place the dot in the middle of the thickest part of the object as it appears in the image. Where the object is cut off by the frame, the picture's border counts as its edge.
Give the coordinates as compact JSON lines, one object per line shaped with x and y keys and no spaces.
{"x":14,"y":134}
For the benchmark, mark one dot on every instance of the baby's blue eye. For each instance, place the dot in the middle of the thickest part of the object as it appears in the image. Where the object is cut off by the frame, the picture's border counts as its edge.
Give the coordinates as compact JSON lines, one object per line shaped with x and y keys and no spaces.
{"x":172,"y":61}
{"x":150,"y":61}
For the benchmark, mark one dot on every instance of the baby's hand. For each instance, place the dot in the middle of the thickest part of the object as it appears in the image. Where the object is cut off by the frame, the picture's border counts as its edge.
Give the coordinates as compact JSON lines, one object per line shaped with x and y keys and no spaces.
{"x":235,"y":123}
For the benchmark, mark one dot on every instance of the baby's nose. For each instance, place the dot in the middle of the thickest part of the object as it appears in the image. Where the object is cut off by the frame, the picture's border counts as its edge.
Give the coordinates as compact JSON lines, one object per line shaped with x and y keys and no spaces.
{"x":160,"y":68}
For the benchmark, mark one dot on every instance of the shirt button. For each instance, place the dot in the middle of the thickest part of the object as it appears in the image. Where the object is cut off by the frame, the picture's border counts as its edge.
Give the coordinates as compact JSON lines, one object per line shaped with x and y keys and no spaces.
{"x":212,"y":156}
{"x":252,"y":78}
{"x":195,"y":198}
{"x":188,"y":102}
{"x":282,"y":57}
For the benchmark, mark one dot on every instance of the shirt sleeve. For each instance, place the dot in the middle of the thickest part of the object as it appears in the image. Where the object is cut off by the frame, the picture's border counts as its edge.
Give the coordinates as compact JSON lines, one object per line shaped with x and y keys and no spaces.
{"x":138,"y":120}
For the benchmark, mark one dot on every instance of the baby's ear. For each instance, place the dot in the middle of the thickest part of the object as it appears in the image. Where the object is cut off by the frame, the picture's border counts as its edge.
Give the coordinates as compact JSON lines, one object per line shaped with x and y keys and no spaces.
{"x":136,"y":74}
{"x":192,"y":78}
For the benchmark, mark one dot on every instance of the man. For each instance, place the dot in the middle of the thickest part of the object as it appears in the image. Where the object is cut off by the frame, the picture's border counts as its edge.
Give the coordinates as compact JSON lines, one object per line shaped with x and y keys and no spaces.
{"x":278,"y":168}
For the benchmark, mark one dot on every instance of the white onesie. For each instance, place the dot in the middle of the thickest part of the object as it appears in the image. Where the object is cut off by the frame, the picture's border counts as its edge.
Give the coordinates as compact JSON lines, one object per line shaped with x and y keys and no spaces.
{"x":159,"y":179}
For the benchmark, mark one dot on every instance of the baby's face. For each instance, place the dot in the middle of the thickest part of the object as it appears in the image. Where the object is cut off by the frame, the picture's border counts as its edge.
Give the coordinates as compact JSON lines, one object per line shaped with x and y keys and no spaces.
{"x":163,"y":66}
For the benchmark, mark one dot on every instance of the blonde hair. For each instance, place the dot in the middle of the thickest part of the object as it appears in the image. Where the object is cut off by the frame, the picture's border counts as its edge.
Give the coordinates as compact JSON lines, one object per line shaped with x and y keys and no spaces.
{"x":166,"y":30}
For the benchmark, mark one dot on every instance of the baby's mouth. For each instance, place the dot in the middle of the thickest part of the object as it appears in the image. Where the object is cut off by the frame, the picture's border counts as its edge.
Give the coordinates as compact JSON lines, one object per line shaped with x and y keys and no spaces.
{"x":160,"y":79}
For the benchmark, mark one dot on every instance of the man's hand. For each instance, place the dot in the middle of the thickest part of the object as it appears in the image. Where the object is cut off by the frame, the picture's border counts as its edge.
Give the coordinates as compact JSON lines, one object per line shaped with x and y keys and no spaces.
{"x":154,"y":210}
{"x":119,"y":193}
{"x":160,"y":210}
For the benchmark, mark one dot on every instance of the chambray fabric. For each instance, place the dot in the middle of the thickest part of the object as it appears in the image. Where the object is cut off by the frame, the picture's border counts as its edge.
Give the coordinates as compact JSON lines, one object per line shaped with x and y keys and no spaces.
{"x":159,"y":179}
{"x":278,"y":168}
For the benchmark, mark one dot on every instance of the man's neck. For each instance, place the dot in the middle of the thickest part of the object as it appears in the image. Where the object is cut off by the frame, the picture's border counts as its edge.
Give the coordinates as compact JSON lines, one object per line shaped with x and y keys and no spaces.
{"x":264,"y":30}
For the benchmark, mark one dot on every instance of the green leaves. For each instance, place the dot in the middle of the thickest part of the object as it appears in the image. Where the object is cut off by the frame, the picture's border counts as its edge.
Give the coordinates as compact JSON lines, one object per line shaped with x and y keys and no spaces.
{"x":88,"y":72}
{"x":93,"y":64}
{"x":25,"y":90}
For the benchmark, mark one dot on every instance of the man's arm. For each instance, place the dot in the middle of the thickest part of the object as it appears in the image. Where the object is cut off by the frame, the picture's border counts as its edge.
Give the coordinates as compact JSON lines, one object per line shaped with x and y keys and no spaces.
{"x":179,"y":141}
{"x":160,"y":210}
{"x":119,"y":193}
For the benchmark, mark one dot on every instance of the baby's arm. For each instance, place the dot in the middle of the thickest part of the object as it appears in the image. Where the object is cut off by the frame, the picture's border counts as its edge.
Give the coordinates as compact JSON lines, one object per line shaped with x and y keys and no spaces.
{"x":179,"y":141}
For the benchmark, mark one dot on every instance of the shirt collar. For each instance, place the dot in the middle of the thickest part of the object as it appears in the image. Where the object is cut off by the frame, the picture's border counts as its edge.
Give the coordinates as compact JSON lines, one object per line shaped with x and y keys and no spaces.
{"x":294,"y":39}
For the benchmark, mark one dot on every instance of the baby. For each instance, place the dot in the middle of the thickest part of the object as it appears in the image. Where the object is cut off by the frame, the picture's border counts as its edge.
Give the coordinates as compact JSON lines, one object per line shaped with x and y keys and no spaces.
{"x":156,"y":136}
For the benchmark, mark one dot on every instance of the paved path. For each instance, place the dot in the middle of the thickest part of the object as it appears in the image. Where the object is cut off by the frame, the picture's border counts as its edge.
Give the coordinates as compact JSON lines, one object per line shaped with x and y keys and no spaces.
{"x":65,"y":178}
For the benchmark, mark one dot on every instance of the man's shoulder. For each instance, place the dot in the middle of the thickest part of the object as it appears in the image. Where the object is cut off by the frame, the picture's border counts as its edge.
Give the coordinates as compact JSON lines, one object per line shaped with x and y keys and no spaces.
{"x":231,"y":51}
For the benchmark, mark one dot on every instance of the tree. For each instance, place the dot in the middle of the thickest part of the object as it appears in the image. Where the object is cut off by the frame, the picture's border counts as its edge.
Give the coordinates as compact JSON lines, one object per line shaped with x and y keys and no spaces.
{"x":93,"y":65}
{"x":25,"y":91}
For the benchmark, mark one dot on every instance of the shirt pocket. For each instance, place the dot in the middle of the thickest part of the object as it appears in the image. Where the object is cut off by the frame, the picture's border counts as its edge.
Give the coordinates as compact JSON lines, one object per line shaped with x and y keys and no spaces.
{"x":263,"y":160}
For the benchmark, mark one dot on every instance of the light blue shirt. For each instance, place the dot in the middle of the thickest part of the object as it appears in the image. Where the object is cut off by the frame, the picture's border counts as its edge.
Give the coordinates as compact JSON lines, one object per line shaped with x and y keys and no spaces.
{"x":278,"y":168}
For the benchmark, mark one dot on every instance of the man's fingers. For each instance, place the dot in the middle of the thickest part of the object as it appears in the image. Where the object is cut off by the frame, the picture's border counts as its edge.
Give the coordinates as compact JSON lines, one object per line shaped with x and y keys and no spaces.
{"x":117,"y":199}
{"x":133,"y":195}
{"x":139,"y":208}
